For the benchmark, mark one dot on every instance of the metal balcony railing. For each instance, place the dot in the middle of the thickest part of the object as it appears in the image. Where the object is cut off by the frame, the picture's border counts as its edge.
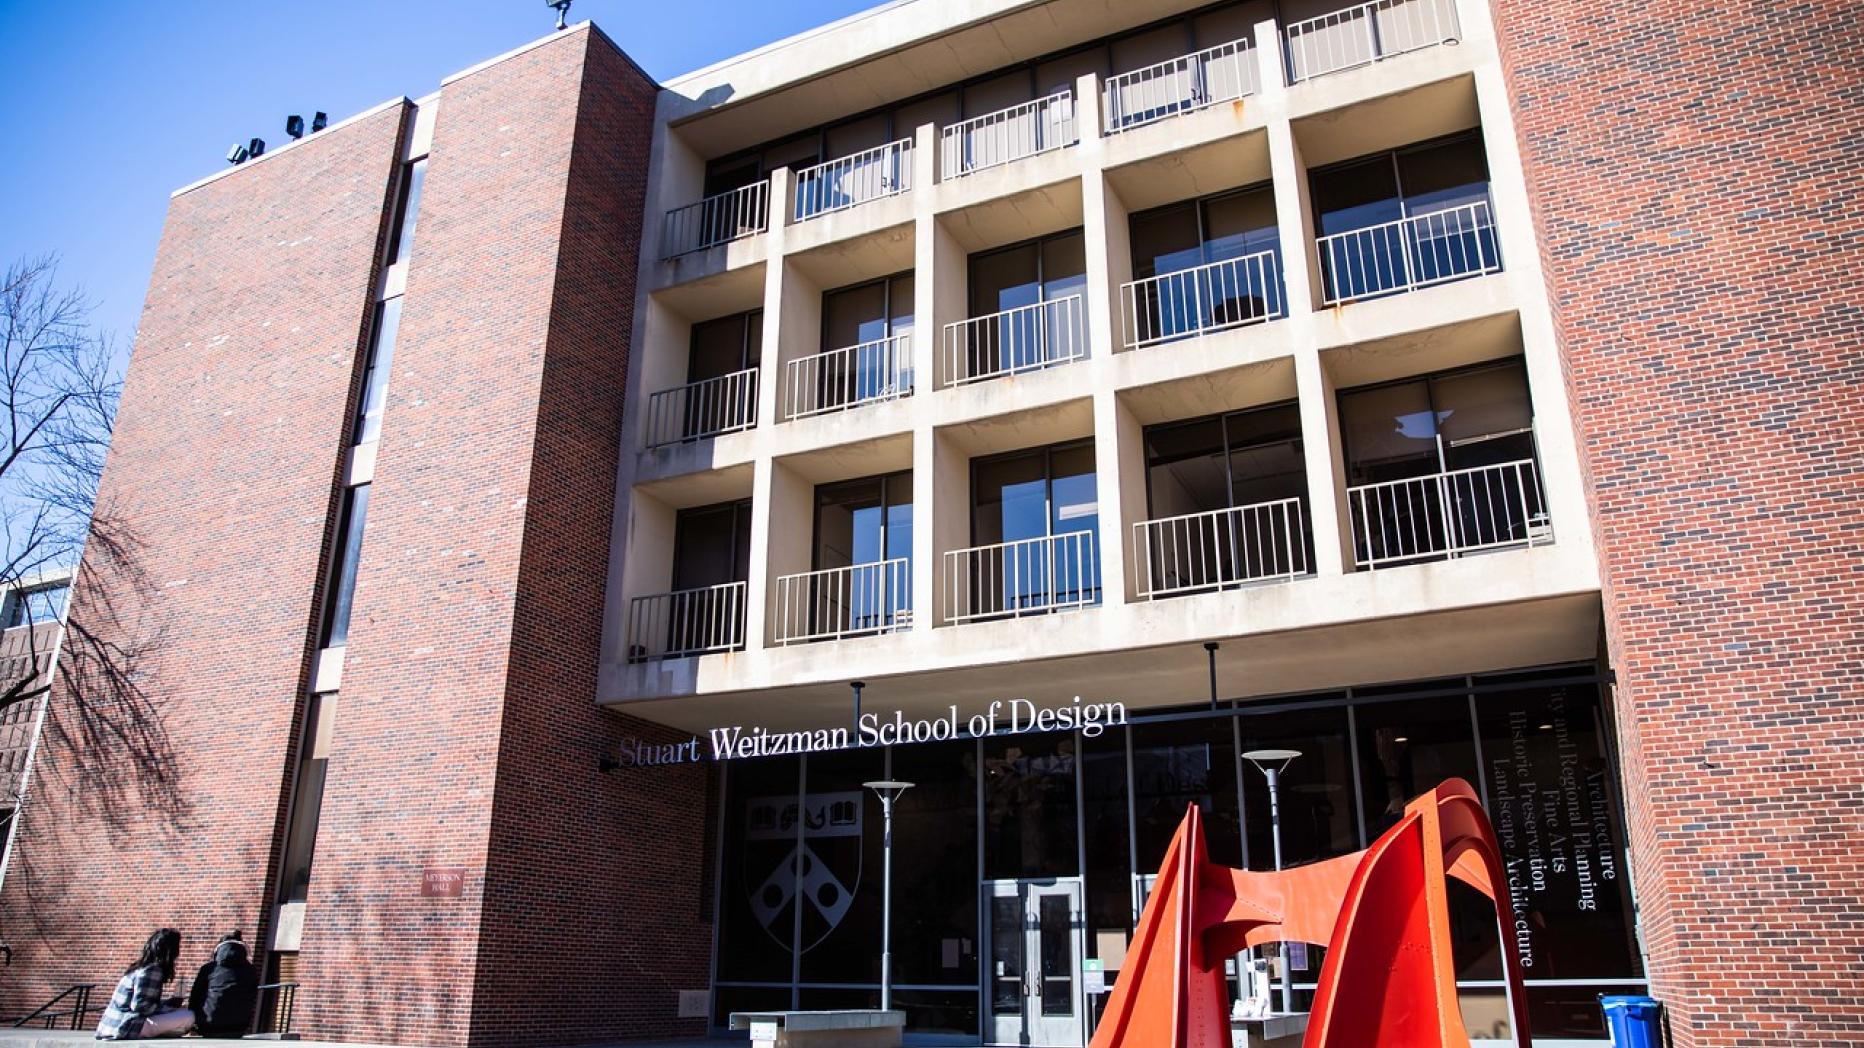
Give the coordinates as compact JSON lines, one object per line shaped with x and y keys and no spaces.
{"x":1409,"y":253}
{"x":844,"y":182}
{"x":1448,"y":514}
{"x":1008,"y":135}
{"x":1026,"y":338}
{"x":686,"y":622}
{"x":1211,"y":297}
{"x":845,"y":602}
{"x":1365,"y":33}
{"x":848,"y":377}
{"x":1181,"y":85}
{"x":1028,"y":577}
{"x":1220,"y":548}
{"x":702,"y":409}
{"x":720,"y":219}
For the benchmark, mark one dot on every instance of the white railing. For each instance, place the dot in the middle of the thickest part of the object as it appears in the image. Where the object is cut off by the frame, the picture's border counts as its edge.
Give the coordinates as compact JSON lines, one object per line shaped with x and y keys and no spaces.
{"x":1448,"y":514}
{"x":1008,"y":134}
{"x":730,"y":215}
{"x":1367,"y":33}
{"x":844,"y":182}
{"x":700,"y":409}
{"x":1219,"y":548}
{"x":1029,"y":577}
{"x":1410,"y":253}
{"x":686,"y":622}
{"x":843,"y":378}
{"x":1180,"y":85}
{"x":1211,"y":297}
{"x":845,"y":602}
{"x":1026,"y":338}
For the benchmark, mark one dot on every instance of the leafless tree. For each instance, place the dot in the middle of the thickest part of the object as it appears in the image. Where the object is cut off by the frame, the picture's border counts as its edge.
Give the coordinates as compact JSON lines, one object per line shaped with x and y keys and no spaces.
{"x":58,"y":398}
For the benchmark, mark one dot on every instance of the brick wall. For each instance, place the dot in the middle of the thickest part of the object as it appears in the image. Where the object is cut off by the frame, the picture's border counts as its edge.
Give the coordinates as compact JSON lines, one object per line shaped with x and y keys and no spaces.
{"x":466,"y":732}
{"x":158,"y":802}
{"x":1695,"y":179}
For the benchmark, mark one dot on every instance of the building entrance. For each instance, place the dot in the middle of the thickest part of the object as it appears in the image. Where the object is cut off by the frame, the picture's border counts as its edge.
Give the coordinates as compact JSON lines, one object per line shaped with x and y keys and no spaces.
{"x":1034,"y":943}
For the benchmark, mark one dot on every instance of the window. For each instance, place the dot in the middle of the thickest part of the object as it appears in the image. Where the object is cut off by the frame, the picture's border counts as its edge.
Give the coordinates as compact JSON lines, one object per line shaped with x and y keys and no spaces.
{"x":342,"y":588}
{"x":1228,"y":248}
{"x":1034,"y":521}
{"x":40,"y":604}
{"x":725,"y":346}
{"x":864,"y":521}
{"x":1033,"y":293}
{"x":1450,"y":420}
{"x":407,"y":209}
{"x":376,"y":370}
{"x":712,"y":545}
{"x":863,"y":313}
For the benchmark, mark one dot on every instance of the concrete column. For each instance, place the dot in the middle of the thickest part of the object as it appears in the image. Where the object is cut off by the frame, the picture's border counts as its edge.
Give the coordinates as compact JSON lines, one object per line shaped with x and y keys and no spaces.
{"x":1326,"y":469}
{"x":790,"y":542}
{"x":1120,"y":489}
{"x":942,"y":525}
{"x":1294,"y":219}
{"x":647,"y":565}
{"x":775,"y":274}
{"x":1103,"y":226}
{"x":928,"y":323}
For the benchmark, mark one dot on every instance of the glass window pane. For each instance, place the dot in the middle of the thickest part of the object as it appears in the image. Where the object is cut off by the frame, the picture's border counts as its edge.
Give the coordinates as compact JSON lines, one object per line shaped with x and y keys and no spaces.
{"x":900,"y":305}
{"x":349,"y":555}
{"x":1266,"y":461}
{"x":1011,"y":499}
{"x":1406,"y":748}
{"x":941,"y":109}
{"x":1064,"y":266}
{"x":935,"y":865}
{"x":851,"y":316}
{"x":1165,"y":241}
{"x":1001,"y":92}
{"x":1444,"y":175}
{"x":725,"y":176}
{"x":1356,"y":195}
{"x":416,"y":176}
{"x":839,"y":885}
{"x":710,"y":545}
{"x":1239,"y":224}
{"x":797,"y":153}
{"x":1318,"y":817}
{"x":857,"y":136}
{"x":1110,"y":904}
{"x":1003,"y":280}
{"x":1389,"y":432}
{"x":1184,"y":468}
{"x":376,"y":375}
{"x":1006,"y":954}
{"x":1029,"y":807}
{"x":1491,"y":403}
{"x":1061,"y":73}
{"x":848,"y":522}
{"x":722,"y":347}
{"x":757,"y":890}
{"x":1055,"y":926}
{"x":1228,"y":24}
{"x":900,"y":516}
{"x":1137,"y":52}
{"x":1178,"y":764}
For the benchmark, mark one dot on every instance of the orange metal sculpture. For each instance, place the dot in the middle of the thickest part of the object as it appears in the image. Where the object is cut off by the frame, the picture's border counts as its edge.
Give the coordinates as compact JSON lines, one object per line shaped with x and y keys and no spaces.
{"x":1383,"y":914}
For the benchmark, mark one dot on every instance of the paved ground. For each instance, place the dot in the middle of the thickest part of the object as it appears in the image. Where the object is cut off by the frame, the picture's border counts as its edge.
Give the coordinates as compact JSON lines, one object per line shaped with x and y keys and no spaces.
{"x":14,"y":1038}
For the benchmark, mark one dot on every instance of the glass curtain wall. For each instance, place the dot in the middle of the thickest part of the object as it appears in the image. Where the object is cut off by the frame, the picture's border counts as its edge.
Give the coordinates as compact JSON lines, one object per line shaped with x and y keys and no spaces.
{"x":1226,"y":501}
{"x":1059,"y":808}
{"x":1441,"y":187}
{"x":1034,"y":522}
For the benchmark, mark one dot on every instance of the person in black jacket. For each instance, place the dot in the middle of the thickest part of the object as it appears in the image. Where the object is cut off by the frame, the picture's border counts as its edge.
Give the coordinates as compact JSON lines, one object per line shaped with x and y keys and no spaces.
{"x":226,"y":990}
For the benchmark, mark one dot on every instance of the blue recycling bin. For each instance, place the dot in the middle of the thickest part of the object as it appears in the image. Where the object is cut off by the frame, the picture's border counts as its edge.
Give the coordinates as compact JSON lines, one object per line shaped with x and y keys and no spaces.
{"x":1634,"y":1022}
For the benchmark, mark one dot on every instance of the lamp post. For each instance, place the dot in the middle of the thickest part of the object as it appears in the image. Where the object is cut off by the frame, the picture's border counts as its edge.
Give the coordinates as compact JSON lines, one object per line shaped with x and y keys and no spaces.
{"x":888,"y":790}
{"x":1271,"y":763}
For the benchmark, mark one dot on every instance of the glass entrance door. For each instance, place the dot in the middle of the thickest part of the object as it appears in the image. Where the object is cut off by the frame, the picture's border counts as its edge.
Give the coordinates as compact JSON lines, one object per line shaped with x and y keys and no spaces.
{"x":1035,"y":946}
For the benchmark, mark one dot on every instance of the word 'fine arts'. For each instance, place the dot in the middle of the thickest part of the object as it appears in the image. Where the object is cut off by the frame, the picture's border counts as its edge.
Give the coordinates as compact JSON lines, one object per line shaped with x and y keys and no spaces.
{"x":1015,"y":717}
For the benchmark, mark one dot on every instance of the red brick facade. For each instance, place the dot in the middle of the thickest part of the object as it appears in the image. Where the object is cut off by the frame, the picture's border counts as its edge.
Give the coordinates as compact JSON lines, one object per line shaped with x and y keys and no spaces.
{"x":1695,"y":180}
{"x":225,"y":466}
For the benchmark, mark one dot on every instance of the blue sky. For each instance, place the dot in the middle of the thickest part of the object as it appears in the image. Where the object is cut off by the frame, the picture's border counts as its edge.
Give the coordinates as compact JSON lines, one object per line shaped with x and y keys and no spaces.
{"x":108,"y":106}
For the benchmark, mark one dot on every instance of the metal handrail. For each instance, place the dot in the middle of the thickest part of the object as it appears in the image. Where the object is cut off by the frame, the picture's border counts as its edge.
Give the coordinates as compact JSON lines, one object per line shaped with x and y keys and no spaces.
{"x":1026,"y":338}
{"x":1448,"y":514}
{"x":79,"y":1008}
{"x":848,"y":377}
{"x":1366,"y":33}
{"x":1228,"y":293}
{"x":718,"y":219}
{"x":846,"y":181}
{"x":1025,"y":577}
{"x":687,"y":622}
{"x":1180,"y":85}
{"x":1409,"y":253}
{"x":706,"y":408}
{"x":849,"y":601}
{"x":1220,"y":548}
{"x":285,"y":1002}
{"x":1008,"y":135}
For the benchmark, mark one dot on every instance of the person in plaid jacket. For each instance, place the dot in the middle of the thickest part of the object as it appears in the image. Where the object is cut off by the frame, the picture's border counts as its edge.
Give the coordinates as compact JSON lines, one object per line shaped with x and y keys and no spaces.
{"x":137,"y":1009}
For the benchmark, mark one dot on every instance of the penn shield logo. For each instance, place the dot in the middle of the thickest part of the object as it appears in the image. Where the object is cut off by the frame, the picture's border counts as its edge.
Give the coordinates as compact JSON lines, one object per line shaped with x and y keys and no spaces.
{"x":818,"y":868}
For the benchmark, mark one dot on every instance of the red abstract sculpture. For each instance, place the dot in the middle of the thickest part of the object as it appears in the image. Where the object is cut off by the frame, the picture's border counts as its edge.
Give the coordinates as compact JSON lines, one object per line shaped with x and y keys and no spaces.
{"x":1383,"y":914}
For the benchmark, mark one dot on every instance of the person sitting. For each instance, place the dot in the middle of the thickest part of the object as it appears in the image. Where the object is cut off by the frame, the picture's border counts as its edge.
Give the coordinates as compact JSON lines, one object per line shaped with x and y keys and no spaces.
{"x":226,"y":991}
{"x":137,"y":1009}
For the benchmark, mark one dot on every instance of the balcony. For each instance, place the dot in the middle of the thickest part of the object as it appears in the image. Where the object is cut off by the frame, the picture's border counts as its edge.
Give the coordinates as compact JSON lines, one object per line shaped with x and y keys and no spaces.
{"x":1211,"y":297}
{"x":1220,"y":549}
{"x":1180,"y":85}
{"x":1027,"y":577}
{"x":1367,"y":33}
{"x":851,"y":601}
{"x":848,"y":377}
{"x":1448,"y":514}
{"x":686,"y":623}
{"x":732,"y":215}
{"x":1008,"y":135}
{"x":1027,"y":338}
{"x":702,"y":409}
{"x":1410,"y":253}
{"x":883,"y":171}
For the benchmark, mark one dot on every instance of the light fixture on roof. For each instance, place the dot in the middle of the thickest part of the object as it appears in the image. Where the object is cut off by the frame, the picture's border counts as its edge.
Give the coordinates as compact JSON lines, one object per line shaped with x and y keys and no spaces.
{"x":319,"y":121}
{"x":256,"y":147}
{"x":294,"y":126}
{"x":562,"y":8}
{"x":236,"y":155}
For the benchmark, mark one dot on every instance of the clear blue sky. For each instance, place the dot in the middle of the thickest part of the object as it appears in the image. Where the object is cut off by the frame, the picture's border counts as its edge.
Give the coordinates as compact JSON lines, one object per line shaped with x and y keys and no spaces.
{"x":108,"y":106}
